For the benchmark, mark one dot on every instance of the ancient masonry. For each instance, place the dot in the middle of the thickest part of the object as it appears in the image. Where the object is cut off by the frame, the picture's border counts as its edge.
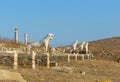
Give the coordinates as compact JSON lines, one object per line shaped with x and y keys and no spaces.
{"x":17,"y":60}
{"x":16,"y":34}
{"x":25,"y":38}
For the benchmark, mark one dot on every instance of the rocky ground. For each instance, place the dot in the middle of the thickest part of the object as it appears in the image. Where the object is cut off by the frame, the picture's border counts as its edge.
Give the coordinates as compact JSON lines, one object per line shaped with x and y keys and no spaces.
{"x":75,"y":71}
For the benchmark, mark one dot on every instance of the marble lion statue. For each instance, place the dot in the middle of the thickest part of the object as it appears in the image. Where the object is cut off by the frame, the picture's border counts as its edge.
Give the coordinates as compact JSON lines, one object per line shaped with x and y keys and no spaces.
{"x":44,"y":42}
{"x":74,"y":45}
{"x":82,"y":45}
{"x":72,"y":48}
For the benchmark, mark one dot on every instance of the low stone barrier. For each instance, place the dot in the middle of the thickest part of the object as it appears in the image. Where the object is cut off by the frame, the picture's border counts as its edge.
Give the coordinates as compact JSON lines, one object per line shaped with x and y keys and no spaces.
{"x":33,"y":60}
{"x":23,"y":60}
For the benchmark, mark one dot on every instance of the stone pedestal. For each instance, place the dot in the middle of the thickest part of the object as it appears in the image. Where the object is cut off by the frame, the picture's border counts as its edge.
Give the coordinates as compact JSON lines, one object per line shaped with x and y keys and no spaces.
{"x":68,"y":58}
{"x":75,"y":57}
{"x":82,"y":56}
{"x":48,"y":60}
{"x":33,"y":60}
{"x":15,"y":66}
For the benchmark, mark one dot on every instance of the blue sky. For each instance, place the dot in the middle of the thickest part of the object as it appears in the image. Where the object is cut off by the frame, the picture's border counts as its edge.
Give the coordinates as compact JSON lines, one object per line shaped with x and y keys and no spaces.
{"x":68,"y":20}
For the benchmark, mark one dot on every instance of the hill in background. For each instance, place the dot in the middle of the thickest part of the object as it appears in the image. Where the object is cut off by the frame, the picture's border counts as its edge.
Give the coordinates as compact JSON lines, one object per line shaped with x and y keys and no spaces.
{"x":106,"y":49}
{"x":107,"y":45}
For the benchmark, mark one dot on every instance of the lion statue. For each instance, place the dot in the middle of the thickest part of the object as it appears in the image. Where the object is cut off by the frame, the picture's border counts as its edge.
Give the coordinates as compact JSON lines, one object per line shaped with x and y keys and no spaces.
{"x":44,"y":42}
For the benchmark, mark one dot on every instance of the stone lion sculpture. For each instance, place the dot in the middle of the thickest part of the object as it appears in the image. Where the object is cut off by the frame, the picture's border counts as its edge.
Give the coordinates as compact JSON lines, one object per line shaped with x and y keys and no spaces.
{"x":72,"y":48}
{"x":82,"y":45}
{"x":74,"y":45}
{"x":86,"y":47}
{"x":84,"y":50}
{"x":43,"y":42}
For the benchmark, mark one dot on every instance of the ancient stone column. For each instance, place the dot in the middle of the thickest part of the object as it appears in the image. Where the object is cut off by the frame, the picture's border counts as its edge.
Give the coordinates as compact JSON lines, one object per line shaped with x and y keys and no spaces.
{"x":88,"y":55}
{"x":82,"y":45}
{"x":16,"y":34}
{"x":48,"y":60}
{"x":33,"y":60}
{"x":25,"y":38}
{"x":75,"y":57}
{"x":68,"y":58}
{"x":56,"y":64}
{"x":15,"y":66}
{"x":82,"y":56}
{"x":86,"y":48}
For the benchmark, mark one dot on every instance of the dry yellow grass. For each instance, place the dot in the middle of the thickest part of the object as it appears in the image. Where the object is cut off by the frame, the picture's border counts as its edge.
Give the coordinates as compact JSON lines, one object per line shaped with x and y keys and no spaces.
{"x":95,"y":71}
{"x":10,"y":43}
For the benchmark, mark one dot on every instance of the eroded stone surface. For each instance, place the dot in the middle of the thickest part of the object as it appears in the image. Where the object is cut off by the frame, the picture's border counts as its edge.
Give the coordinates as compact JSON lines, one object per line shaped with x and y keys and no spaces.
{"x":8,"y":75}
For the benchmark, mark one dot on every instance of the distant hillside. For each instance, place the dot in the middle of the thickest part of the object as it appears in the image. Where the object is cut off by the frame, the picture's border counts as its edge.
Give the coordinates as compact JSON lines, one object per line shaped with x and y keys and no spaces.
{"x":107,"y":45}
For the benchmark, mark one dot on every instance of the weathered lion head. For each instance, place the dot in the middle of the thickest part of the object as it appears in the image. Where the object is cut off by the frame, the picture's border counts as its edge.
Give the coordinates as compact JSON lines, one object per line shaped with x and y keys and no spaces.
{"x":50,"y":35}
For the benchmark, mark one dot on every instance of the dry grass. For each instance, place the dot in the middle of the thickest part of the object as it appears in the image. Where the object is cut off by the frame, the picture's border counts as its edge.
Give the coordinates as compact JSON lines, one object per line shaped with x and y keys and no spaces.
{"x":95,"y":71}
{"x":10,"y":43}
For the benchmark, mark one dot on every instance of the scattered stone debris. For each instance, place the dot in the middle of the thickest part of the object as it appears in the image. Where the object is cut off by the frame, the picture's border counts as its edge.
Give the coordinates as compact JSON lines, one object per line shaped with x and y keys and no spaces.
{"x":106,"y":80}
{"x":7,"y":75}
{"x":82,"y":73}
{"x":118,"y":60}
{"x":63,"y":69}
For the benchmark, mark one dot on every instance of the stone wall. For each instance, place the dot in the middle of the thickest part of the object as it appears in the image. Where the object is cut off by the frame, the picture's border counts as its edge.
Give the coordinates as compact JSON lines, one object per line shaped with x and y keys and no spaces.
{"x":26,"y":60}
{"x":6,"y":59}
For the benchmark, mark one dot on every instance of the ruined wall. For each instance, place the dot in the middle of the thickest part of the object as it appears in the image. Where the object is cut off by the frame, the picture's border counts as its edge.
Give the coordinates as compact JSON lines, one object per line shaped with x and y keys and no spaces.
{"x":25,"y":60}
